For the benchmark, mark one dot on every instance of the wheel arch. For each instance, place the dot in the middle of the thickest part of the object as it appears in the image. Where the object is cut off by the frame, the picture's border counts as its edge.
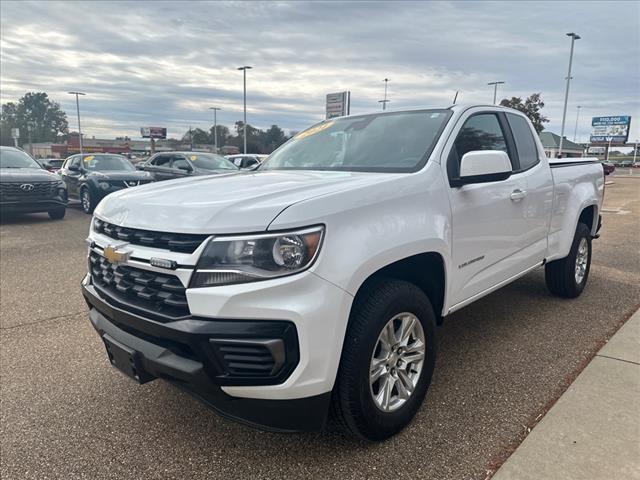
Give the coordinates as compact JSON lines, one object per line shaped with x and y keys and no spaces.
{"x":589,"y":216}
{"x":425,"y":270}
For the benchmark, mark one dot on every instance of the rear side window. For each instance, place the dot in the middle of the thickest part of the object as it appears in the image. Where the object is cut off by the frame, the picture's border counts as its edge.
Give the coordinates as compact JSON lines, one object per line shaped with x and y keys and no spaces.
{"x":525,"y":143}
{"x":161,"y":161}
{"x":180,"y":162}
{"x":479,"y":132}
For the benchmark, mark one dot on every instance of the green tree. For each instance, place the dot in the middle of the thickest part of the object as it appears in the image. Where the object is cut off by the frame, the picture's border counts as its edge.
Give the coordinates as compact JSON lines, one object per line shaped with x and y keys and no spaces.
{"x":273,"y":138}
{"x":223,"y":135}
{"x":530,"y":107}
{"x":198,"y":135}
{"x":35,"y":110}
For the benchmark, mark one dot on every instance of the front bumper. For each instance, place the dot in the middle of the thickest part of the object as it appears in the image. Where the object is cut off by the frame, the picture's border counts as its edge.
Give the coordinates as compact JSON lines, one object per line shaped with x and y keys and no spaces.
{"x":185,"y":352}
{"x":33,"y":206}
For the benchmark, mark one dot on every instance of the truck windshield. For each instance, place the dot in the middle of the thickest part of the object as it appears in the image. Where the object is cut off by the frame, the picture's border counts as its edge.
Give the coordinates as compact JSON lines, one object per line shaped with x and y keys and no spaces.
{"x":386,"y":142}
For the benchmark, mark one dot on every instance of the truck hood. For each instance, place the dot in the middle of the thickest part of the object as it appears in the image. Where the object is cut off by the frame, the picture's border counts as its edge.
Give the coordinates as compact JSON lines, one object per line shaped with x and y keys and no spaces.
{"x":235,"y":203}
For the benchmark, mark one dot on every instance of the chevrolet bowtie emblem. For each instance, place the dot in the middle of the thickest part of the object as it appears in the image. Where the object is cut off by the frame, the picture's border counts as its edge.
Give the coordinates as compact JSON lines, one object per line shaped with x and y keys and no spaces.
{"x":116,"y":255}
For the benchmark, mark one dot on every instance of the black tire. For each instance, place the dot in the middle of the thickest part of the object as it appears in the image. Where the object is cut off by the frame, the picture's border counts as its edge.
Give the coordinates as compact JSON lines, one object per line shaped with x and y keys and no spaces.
{"x":57,"y":214}
{"x":88,"y":203}
{"x":353,"y":406}
{"x":560,"y":275}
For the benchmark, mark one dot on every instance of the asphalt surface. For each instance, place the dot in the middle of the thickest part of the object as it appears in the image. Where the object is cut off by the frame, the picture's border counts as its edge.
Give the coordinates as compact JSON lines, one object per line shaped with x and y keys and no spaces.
{"x":503,"y":361}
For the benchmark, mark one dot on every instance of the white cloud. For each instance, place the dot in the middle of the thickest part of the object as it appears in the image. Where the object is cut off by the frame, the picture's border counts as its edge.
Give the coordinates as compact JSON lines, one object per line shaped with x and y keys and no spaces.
{"x":167,"y":64}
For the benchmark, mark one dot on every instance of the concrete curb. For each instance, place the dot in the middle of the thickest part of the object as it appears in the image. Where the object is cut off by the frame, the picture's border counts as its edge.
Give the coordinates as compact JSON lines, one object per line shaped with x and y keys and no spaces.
{"x":593,"y":430}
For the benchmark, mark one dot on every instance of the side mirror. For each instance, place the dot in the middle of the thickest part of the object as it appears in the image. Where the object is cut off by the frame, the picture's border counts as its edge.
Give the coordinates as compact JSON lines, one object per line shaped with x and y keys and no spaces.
{"x":74,"y":168}
{"x":185,"y":168}
{"x":139,"y":166}
{"x":482,"y":166}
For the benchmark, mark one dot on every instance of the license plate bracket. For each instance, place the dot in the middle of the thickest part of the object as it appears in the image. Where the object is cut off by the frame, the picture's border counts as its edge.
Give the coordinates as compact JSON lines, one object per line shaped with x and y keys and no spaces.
{"x":126,"y":360}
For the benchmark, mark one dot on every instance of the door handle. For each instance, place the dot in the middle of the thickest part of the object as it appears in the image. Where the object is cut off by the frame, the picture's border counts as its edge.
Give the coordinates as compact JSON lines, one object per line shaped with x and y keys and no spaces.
{"x":518,"y":195}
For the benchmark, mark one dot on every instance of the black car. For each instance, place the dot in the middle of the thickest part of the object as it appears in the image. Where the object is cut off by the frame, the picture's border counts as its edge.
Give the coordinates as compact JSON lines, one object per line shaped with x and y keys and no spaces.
{"x":170,"y":165}
{"x":91,"y":177}
{"x":26,"y":187}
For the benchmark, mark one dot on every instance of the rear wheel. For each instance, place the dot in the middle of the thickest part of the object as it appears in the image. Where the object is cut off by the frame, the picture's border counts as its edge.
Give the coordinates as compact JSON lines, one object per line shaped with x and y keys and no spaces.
{"x":387,"y":361}
{"x":87,"y":201}
{"x":567,"y":277}
{"x":57,"y":213}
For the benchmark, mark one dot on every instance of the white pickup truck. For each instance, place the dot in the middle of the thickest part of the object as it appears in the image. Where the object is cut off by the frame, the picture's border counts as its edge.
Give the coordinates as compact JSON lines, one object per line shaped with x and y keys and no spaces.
{"x":318,"y":280}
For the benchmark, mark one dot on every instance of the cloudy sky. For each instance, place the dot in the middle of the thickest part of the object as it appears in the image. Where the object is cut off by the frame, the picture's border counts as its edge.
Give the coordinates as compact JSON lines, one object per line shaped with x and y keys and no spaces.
{"x":165,"y":63}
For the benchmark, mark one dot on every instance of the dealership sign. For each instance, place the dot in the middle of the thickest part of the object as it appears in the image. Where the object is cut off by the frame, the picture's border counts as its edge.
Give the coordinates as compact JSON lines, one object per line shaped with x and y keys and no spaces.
{"x":613,"y":130}
{"x":338,"y":104}
{"x":153,"y":132}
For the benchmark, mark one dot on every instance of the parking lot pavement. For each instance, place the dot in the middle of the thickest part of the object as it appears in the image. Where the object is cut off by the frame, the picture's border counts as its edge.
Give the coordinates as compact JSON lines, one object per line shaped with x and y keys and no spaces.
{"x":503,"y":361}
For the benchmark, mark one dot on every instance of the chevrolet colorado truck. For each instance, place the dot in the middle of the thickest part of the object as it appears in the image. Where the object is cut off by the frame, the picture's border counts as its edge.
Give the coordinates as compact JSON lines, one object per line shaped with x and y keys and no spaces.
{"x":316,"y":282}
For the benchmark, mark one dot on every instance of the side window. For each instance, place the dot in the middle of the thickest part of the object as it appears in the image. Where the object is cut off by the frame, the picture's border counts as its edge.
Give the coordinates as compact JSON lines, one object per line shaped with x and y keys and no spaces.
{"x":181,"y":163}
{"x":525,"y":143}
{"x":75,"y":160}
{"x":161,"y":161}
{"x":479,"y":132}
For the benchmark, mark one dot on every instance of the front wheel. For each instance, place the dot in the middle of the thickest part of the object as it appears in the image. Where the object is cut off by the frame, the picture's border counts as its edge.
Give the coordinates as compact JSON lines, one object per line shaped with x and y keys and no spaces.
{"x":57,"y":213}
{"x":387,"y":361}
{"x":87,"y":201}
{"x":567,"y":277}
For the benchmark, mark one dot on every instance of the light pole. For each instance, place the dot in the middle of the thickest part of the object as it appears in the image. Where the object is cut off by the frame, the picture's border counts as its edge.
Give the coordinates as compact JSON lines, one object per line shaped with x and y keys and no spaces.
{"x":29,"y":126}
{"x":215,"y":126}
{"x":385,"y":101}
{"x":495,"y":90}
{"x":574,"y":37}
{"x":79,"y":128}
{"x":575,"y":130}
{"x":244,"y":124}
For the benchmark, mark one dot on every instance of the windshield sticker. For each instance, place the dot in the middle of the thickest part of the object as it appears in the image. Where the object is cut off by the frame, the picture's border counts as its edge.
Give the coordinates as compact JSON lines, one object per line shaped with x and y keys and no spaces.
{"x":314,"y":130}
{"x":88,"y":158}
{"x":193,"y":158}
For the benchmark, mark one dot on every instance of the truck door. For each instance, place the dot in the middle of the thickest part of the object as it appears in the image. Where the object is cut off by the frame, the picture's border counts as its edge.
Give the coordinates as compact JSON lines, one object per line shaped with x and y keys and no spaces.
{"x":488,"y":219}
{"x":538,"y":200}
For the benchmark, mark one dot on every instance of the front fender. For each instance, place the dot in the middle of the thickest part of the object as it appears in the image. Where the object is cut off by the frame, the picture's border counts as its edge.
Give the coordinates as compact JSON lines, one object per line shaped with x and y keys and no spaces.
{"x":371,"y":227}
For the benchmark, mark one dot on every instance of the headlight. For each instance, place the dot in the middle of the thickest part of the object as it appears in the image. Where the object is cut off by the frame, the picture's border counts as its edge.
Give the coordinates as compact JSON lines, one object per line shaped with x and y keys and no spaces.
{"x":241,"y":259}
{"x":104,"y":185}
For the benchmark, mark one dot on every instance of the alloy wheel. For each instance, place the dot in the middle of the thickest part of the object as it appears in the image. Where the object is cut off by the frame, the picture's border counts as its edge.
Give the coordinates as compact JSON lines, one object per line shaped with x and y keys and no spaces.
{"x":582,"y":257}
{"x":396,"y":362}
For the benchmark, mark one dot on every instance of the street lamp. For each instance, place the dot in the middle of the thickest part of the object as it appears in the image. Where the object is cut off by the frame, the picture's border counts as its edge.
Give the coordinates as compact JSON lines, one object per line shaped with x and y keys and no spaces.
{"x":385,"y":101}
{"x":244,"y":125}
{"x":575,"y":130}
{"x":215,"y":126}
{"x":574,"y":37}
{"x":495,"y":89}
{"x":78,"y":111}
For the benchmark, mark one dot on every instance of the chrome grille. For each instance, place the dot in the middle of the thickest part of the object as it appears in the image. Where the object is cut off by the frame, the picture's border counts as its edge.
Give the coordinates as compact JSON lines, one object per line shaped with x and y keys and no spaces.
{"x":28,"y":190}
{"x":147,"y":290}
{"x":175,"y":242}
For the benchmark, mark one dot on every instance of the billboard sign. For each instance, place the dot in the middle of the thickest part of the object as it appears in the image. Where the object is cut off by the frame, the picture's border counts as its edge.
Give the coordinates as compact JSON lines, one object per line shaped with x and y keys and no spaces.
{"x":153,"y":132}
{"x":614,"y":130}
{"x":338,"y":104}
